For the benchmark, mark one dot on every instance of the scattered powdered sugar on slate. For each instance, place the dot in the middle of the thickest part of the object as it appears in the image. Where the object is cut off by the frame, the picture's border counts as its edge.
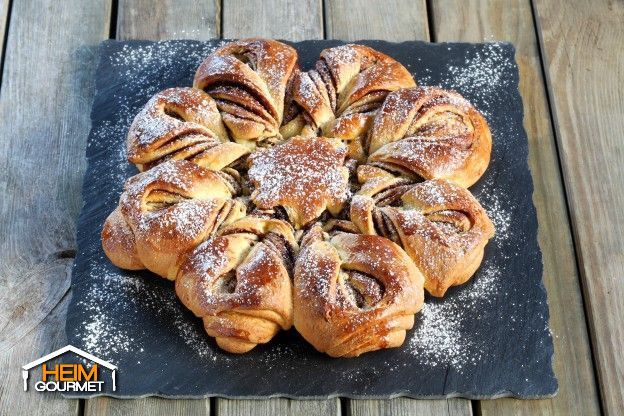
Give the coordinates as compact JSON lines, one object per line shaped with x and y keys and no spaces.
{"x":501,"y":217}
{"x":139,"y":66}
{"x":142,"y":64}
{"x":480,"y":76}
{"x":111,"y":294}
{"x":117,"y":169}
{"x":439,"y":337}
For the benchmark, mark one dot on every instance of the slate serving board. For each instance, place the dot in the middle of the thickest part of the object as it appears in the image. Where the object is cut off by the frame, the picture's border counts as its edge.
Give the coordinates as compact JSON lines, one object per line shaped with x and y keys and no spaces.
{"x":488,"y":338}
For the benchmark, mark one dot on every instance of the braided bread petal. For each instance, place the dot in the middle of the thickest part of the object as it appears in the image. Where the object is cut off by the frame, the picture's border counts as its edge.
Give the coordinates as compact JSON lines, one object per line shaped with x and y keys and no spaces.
{"x":178,"y":123}
{"x":239,"y":282}
{"x":354,"y":293}
{"x":340,"y":96}
{"x":248,"y":80}
{"x":440,"y":225}
{"x":430,"y":133}
{"x":164,"y":213}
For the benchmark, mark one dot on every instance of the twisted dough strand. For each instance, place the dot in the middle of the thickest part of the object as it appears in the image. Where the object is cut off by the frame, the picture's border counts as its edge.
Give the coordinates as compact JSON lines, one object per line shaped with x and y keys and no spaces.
{"x":440,"y":225}
{"x":341,"y":94}
{"x":239,"y":282}
{"x":354,"y":293}
{"x":428,"y":133}
{"x":248,"y":80}
{"x":165,"y":212}
{"x":181,"y":123}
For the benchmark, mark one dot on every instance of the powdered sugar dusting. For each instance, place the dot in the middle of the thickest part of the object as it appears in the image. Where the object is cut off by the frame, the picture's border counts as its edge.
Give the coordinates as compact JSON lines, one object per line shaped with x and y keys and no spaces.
{"x":185,"y":221}
{"x":304,"y":175}
{"x":439,"y":337}
{"x":111,"y":294}
{"x":481,"y":75}
{"x":141,"y":64}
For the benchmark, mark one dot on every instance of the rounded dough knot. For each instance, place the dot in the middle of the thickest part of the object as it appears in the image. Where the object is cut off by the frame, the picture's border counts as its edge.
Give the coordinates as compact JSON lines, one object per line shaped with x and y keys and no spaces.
{"x":430,"y":133}
{"x":239,"y":282}
{"x":165,"y":212}
{"x":354,"y":293}
{"x":440,"y":225}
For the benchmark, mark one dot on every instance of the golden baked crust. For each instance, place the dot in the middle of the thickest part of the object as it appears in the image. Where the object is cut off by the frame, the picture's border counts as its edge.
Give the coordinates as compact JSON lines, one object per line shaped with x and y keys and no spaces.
{"x":239,"y":282}
{"x":440,"y":225}
{"x":248,"y":80}
{"x":354,"y":293}
{"x":341,"y":94}
{"x":181,"y":123}
{"x":165,"y":212}
{"x":428,"y":133}
{"x":305,"y":176}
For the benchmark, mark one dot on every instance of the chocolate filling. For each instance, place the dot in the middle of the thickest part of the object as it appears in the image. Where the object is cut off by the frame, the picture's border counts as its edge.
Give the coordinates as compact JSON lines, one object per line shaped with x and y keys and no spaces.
{"x":158,"y":199}
{"x":227,"y":283}
{"x":391,"y":196}
{"x":397,"y":170}
{"x":174,"y":114}
{"x":384,"y":226}
{"x":283,"y":248}
{"x":330,"y":83}
{"x":364,"y":290}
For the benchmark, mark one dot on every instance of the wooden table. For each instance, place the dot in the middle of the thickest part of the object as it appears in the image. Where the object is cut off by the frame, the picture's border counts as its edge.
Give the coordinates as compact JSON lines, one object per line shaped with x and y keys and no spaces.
{"x":571,"y":62}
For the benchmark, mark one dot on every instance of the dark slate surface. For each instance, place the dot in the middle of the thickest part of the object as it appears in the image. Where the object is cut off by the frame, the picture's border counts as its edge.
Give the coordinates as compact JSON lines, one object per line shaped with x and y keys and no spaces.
{"x":488,"y":338}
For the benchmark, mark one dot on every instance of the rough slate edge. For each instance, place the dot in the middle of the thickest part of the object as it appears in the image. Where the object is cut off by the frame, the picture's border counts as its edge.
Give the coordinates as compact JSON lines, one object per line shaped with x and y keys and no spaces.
{"x":532,"y":231}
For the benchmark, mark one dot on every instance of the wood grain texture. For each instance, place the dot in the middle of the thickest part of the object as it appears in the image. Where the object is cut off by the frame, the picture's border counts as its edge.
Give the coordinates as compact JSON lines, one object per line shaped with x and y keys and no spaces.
{"x":582,"y":50}
{"x":148,"y":406}
{"x":145,"y":19}
{"x":396,"y":20}
{"x":47,"y":87}
{"x":405,"y":407}
{"x":392,"y":20}
{"x":47,"y":337}
{"x":485,"y":20}
{"x":275,"y":407}
{"x":291,"y":20}
{"x":167,"y":19}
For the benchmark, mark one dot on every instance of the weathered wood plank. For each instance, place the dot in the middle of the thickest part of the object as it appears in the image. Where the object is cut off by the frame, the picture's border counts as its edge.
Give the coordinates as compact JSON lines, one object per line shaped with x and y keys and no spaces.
{"x":396,"y":20}
{"x":149,"y":406}
{"x":47,"y":337}
{"x":47,"y":84}
{"x":582,"y":50}
{"x":144,"y":19}
{"x":293,"y":20}
{"x":167,"y":19}
{"x":278,"y":407}
{"x":485,"y":20}
{"x":403,"y":406}
{"x":392,"y":20}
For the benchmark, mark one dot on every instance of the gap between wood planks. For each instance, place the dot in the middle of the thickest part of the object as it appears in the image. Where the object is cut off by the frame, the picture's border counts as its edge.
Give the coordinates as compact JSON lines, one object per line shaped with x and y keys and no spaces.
{"x":112,"y":28}
{"x":5,"y":36}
